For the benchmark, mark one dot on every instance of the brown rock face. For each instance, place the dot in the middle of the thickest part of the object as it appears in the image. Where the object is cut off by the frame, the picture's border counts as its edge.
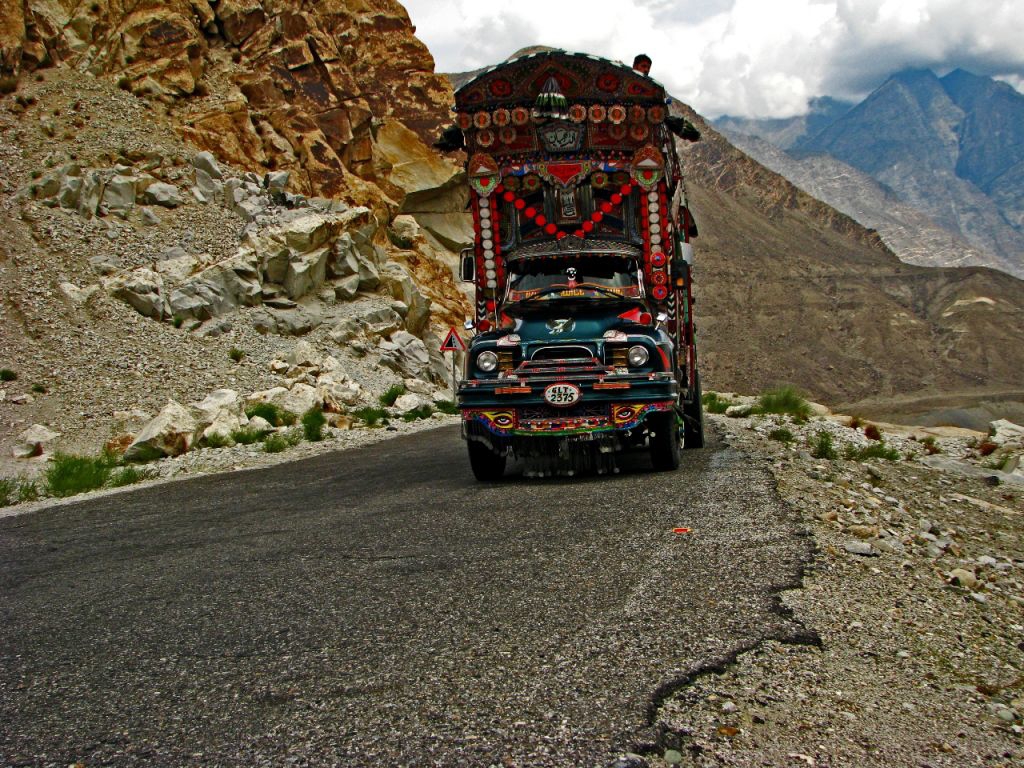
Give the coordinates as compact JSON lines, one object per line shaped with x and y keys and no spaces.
{"x":261,"y":83}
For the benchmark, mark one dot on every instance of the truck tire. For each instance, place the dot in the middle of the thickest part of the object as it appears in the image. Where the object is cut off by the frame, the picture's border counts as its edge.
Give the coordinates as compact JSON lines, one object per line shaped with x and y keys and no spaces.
{"x":664,"y":440}
{"x":693,"y":416}
{"x":487,"y":466}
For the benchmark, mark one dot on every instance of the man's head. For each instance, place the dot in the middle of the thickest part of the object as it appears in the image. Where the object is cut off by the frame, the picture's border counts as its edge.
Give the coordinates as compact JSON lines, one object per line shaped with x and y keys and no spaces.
{"x":642,"y":64}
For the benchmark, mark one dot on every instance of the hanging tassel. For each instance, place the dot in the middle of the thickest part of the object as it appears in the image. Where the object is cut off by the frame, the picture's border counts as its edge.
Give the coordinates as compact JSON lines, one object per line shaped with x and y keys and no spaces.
{"x":551,"y":102}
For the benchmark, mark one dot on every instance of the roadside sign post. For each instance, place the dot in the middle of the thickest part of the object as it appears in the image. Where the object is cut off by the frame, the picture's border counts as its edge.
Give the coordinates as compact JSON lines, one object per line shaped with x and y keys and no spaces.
{"x":453,"y":343}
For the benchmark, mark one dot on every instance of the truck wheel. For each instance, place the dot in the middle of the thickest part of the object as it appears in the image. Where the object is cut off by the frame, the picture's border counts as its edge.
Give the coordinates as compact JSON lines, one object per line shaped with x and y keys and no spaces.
{"x":486,"y":464}
{"x":664,"y":440}
{"x":693,"y":416}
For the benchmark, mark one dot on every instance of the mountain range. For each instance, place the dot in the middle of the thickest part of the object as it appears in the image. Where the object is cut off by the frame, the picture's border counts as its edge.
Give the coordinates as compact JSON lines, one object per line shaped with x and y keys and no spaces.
{"x":950,"y":148}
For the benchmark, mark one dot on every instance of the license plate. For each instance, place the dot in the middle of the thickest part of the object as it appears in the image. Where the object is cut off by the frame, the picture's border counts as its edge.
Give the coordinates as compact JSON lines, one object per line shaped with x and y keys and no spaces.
{"x":562,"y":395}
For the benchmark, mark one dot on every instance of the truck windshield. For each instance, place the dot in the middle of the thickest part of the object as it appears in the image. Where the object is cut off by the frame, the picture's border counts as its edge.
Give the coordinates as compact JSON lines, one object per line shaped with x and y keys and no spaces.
{"x":600,"y":278}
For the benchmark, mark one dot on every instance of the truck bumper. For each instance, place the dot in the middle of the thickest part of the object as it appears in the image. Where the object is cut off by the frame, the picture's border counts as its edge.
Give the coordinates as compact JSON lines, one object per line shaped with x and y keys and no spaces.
{"x":514,"y":408}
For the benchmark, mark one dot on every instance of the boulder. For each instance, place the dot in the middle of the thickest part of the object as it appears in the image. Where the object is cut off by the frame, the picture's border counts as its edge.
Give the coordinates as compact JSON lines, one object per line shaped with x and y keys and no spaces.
{"x":338,"y":392}
{"x":307,"y":233}
{"x":166,"y":195}
{"x":142,"y":289}
{"x":33,"y":441}
{"x":219,"y":289}
{"x":410,"y":401}
{"x":78,"y":295}
{"x":171,"y":433}
{"x":1004,"y":432}
{"x":300,"y":398}
{"x":276,"y":182}
{"x":405,"y":354}
{"x":218,"y":402}
{"x":206,"y":163}
{"x":347,"y":288}
{"x":119,"y":194}
{"x":306,"y":273}
{"x":401,"y":286}
{"x":305,"y":355}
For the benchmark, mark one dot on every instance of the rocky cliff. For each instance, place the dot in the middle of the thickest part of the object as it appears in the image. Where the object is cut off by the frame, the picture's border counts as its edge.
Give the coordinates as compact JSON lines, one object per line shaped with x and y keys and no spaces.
{"x":190,"y":186}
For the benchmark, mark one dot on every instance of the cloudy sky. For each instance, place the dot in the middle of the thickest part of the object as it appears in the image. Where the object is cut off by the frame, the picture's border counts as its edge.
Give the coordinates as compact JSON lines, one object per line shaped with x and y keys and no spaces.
{"x":754,"y":58}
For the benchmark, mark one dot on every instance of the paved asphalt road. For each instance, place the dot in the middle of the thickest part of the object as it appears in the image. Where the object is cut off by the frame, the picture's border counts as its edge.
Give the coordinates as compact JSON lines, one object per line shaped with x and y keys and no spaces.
{"x":380,"y":607}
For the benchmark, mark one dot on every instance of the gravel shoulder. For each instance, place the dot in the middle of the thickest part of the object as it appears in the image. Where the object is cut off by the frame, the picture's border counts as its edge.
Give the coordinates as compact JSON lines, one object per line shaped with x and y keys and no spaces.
{"x":916,"y":594}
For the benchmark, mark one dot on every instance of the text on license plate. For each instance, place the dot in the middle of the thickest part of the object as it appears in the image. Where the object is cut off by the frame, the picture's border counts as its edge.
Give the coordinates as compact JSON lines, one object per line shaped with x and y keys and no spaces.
{"x":562,"y":395}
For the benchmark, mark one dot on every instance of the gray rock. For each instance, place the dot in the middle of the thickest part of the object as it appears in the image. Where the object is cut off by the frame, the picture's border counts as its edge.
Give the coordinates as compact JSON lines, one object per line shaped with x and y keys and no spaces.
{"x":166,"y":195}
{"x":405,"y":354}
{"x":739,"y":411}
{"x":210,"y":189}
{"x":276,"y":181}
{"x":171,"y":433}
{"x":346,"y":288}
{"x":33,"y":441}
{"x":219,"y":289}
{"x":119,"y":194}
{"x":141,"y":289}
{"x":149,"y":217}
{"x":206,"y":162}
{"x":862,"y":548}
{"x":70,"y":192}
{"x":306,"y":273}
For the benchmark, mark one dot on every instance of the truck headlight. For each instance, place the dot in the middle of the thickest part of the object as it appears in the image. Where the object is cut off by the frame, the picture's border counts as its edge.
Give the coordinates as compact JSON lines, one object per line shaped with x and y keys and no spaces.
{"x":638,"y":356}
{"x":487,"y":361}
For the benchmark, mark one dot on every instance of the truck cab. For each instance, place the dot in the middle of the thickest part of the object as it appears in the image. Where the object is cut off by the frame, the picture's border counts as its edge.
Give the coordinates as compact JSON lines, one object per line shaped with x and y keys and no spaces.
{"x":581,"y":266}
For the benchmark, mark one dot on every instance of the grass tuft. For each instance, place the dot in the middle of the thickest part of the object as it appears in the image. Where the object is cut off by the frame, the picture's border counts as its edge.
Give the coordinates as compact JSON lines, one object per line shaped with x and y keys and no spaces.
{"x":6,"y":374}
{"x":39,"y":389}
{"x":931,"y":447}
{"x":784,"y":400}
{"x":822,"y":447}
{"x":715,"y":404}
{"x":236,"y":354}
{"x":877,"y":450}
{"x":871,"y":432}
{"x":447,"y":406}
{"x":69,"y":474}
{"x":275,"y":443}
{"x":781,"y":434}
{"x":273,"y":414}
{"x":129,"y":476}
{"x":313,"y":422}
{"x":246,"y":436}
{"x":217,"y":440}
{"x":8,"y":485}
{"x":392,"y":394}
{"x":423,"y":412}
{"x":371,"y":416}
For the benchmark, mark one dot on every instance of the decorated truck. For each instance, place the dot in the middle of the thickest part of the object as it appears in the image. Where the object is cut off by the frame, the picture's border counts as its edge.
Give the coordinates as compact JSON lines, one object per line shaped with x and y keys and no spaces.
{"x":584,"y":337}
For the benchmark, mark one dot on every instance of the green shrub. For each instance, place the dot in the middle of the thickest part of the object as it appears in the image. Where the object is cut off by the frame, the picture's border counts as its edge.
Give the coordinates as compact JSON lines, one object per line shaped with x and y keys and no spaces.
{"x":39,"y":389}
{"x":217,"y":440}
{"x":69,"y":475}
{"x":713,"y":403}
{"x":392,"y":394}
{"x":785,"y":400}
{"x":129,"y":476}
{"x":821,"y":446}
{"x":274,"y":414}
{"x":423,"y":412}
{"x":6,"y":374}
{"x":447,"y":406}
{"x":871,"y":432}
{"x":931,"y":447}
{"x":177,"y":321}
{"x":236,"y":354}
{"x":313,"y":422}
{"x":27,"y":490}
{"x":246,"y":436}
{"x":275,"y":443}
{"x":7,"y":488}
{"x":781,"y":434}
{"x":876,"y":450}
{"x":371,"y":416}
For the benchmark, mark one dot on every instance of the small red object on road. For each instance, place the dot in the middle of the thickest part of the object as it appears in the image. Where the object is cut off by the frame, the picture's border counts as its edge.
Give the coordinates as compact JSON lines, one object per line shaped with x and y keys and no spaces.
{"x":682,"y":530}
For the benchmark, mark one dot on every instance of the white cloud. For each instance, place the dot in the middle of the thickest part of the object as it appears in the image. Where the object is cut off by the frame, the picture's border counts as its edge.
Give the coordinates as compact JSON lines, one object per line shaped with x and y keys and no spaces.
{"x":744,"y":57}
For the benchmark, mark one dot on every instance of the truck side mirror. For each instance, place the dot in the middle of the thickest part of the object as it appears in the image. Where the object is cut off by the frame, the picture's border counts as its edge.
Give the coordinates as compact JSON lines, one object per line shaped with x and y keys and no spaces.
{"x":467,"y":268}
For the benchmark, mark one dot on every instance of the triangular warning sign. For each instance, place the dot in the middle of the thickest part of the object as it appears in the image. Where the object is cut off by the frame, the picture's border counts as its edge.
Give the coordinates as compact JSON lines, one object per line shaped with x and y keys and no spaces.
{"x":453,"y":342}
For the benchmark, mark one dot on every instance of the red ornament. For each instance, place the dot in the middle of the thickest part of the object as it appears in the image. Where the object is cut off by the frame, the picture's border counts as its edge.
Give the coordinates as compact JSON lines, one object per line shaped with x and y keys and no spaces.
{"x":551,"y":229}
{"x":561,"y":236}
{"x":490,"y":305}
{"x":579,"y":233}
{"x":626,"y":189}
{"x":606,"y":207}
{"x":616,"y":199}
{"x":588,"y":226}
{"x":540,"y":221}
{"x":597,"y":216}
{"x":530,"y":212}
{"x":484,"y":325}
{"x":508,"y":197}
{"x":519,"y":204}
